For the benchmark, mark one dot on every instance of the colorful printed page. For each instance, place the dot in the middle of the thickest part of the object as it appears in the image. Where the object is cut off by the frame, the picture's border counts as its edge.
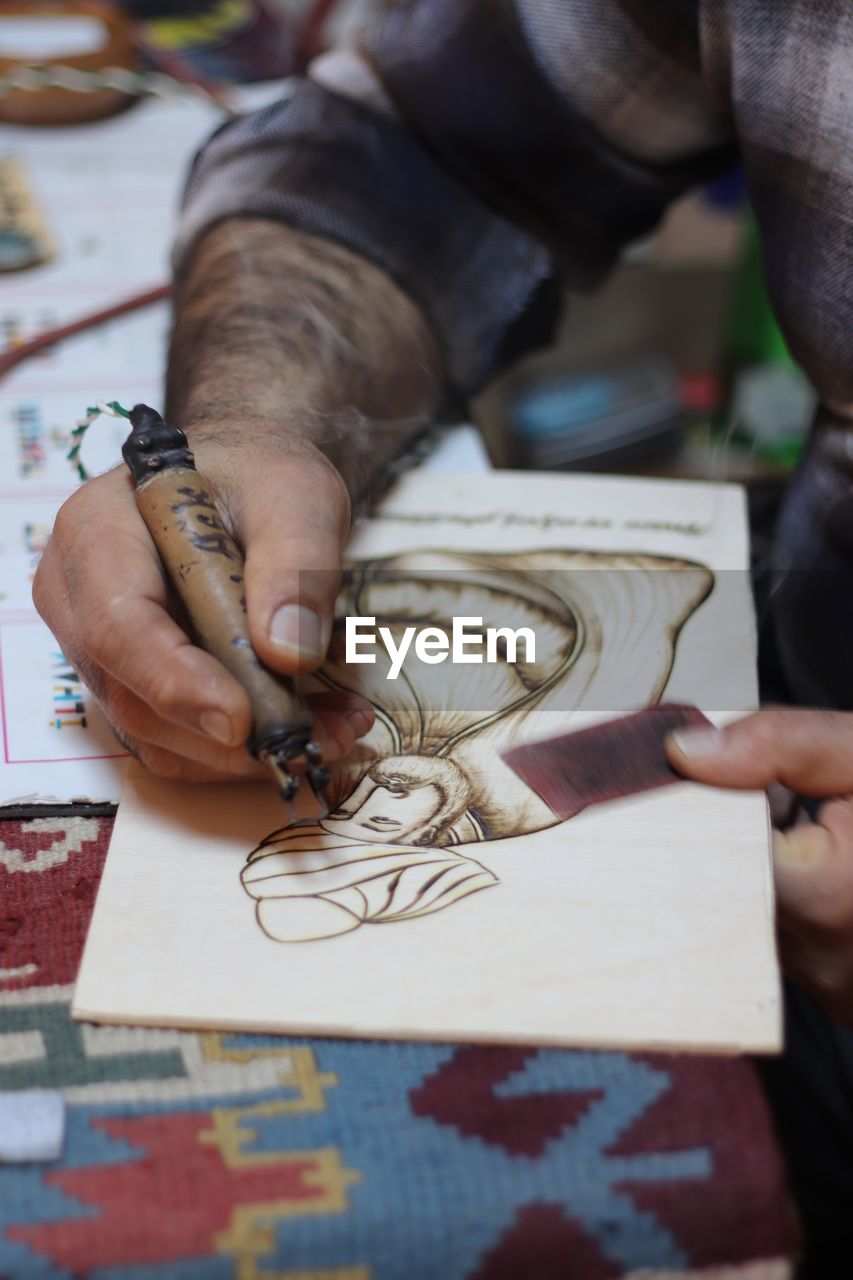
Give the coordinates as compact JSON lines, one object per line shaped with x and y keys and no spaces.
{"x":107,"y":193}
{"x":441,"y":897}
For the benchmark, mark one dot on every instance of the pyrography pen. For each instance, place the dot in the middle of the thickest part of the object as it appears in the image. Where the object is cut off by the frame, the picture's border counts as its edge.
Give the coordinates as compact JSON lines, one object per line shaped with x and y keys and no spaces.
{"x":205,"y":566}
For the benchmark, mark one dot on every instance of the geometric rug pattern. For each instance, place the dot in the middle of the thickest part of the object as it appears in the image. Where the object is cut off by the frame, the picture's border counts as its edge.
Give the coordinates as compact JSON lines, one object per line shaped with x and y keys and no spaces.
{"x":199,"y":1156}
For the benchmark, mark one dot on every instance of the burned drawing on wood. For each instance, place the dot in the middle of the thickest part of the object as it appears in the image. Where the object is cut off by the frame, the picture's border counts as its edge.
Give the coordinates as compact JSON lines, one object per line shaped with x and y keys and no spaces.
{"x":413,"y":817}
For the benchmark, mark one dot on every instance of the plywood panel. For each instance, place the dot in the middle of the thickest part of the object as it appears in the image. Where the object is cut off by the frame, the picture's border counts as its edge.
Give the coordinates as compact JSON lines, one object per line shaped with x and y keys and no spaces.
{"x":442,"y":899}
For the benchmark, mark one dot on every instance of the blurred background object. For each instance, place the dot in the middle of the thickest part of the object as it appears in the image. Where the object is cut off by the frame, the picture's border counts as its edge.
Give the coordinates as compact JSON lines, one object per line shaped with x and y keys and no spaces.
{"x":231,"y":41}
{"x":242,"y":41}
{"x":43,"y":42}
{"x":25,"y":239}
{"x":676,"y":366}
{"x":601,"y":420}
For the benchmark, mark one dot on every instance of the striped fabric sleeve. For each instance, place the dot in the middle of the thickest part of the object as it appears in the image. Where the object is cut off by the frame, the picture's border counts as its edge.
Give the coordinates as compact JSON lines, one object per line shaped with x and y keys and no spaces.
{"x":458,"y":162}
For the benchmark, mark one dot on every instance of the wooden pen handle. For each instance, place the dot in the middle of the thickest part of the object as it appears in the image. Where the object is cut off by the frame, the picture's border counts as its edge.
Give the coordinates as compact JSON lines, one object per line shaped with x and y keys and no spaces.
{"x":206,"y":567}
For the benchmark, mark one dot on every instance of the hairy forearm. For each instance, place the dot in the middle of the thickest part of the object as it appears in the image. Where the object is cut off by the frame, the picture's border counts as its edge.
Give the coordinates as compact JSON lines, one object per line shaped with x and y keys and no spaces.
{"x":278,"y":331}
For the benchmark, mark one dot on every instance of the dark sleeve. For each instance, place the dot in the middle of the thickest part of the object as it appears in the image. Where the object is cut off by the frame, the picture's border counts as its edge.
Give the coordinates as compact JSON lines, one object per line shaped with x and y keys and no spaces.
{"x":476,"y":189}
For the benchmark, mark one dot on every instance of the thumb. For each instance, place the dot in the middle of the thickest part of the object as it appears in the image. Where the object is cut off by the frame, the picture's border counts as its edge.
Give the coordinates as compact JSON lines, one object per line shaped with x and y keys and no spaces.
{"x":802,"y":858}
{"x":811,"y":752}
{"x":292,"y":523}
{"x":813,"y":866}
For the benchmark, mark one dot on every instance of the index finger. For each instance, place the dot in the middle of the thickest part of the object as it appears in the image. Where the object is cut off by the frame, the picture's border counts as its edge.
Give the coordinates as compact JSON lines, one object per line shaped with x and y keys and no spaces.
{"x":103,"y":594}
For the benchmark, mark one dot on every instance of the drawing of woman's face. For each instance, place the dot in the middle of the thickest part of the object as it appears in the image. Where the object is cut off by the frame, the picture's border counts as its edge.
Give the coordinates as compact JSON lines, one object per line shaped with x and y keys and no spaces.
{"x":387,"y":811}
{"x":401,"y":800}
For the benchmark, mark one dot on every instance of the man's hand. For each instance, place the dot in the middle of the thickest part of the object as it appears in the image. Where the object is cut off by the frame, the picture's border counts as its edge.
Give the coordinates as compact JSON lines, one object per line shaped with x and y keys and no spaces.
{"x":811,"y":753}
{"x":297,"y":369}
{"x":101,"y":589}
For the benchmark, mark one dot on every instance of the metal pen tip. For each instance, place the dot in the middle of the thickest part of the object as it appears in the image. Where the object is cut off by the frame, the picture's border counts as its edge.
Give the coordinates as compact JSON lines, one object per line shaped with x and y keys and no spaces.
{"x":288,"y":783}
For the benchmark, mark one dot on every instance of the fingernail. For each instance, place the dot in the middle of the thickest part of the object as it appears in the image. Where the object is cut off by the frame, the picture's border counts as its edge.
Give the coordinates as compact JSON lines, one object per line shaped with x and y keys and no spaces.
{"x":216,"y":724}
{"x":791,"y":847}
{"x":698,"y":743}
{"x":299,"y":629}
{"x":360,"y":721}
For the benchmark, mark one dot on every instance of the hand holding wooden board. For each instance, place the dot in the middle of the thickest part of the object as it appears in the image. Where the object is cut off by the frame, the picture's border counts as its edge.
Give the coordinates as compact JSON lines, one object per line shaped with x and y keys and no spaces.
{"x":442,"y":898}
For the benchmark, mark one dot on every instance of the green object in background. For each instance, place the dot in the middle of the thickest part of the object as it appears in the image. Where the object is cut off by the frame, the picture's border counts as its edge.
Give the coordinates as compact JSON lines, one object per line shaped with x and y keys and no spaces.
{"x":754,"y":336}
{"x":771,"y":401}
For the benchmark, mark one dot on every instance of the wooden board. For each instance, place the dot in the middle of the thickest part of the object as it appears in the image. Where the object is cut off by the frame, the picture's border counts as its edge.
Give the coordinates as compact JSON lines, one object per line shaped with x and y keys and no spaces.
{"x":442,"y":899}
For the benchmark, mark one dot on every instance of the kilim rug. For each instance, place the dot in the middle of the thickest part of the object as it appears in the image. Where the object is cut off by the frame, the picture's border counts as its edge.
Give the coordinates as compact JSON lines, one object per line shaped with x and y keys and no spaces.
{"x":215,"y":1156}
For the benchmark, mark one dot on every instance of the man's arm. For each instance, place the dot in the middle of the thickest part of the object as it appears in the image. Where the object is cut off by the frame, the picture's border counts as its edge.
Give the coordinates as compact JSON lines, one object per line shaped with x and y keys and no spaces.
{"x":291,"y":335}
{"x":385,"y":234}
{"x":298,"y":370}
{"x":293,"y":359}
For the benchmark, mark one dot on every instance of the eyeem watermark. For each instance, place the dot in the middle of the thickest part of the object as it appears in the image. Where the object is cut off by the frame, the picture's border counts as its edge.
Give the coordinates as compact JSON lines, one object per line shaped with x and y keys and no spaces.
{"x":468,"y":641}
